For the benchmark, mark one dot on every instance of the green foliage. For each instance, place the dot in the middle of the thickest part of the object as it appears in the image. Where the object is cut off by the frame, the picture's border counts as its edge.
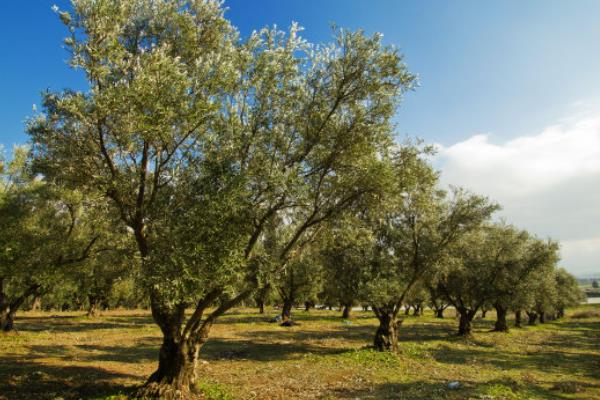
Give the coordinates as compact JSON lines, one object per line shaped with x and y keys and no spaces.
{"x":48,"y":232}
{"x":495,"y":264}
{"x":346,"y":251}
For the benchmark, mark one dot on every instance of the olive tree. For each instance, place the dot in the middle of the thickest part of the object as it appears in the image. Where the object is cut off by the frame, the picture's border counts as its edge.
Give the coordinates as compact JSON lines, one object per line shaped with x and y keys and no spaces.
{"x":515,"y":255}
{"x":492,"y":265}
{"x":413,"y":232}
{"x":345,"y":254}
{"x":569,"y":294}
{"x":199,"y":138}
{"x":95,"y":277}
{"x":46,"y":232}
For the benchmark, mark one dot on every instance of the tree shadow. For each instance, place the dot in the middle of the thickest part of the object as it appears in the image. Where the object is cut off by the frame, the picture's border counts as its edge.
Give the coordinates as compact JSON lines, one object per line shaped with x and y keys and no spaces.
{"x":79,"y":323}
{"x":221,"y":349}
{"x":424,"y":390}
{"x":139,"y":352}
{"x":546,"y":358}
{"x":26,"y":379}
{"x":298,"y":316}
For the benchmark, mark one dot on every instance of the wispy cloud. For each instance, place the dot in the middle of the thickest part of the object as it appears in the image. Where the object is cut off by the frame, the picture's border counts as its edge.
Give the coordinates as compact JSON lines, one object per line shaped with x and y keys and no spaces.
{"x":547,"y":182}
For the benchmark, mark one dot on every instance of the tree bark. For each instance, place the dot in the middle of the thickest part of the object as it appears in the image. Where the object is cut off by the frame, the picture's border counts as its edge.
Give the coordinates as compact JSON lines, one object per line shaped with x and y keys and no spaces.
{"x":8,"y":309}
{"x":464,"y":325}
{"x":93,"y":307}
{"x":416,"y":310}
{"x":7,"y":320}
{"x":407,"y":310}
{"x":483,"y":313}
{"x":307,"y":305}
{"x":439,"y":313}
{"x":286,"y":310}
{"x":346,"y":311}
{"x":386,"y":337}
{"x":175,"y":377}
{"x":518,"y":318}
{"x":542,"y":317}
{"x":261,"y":307}
{"x":501,"y":325}
{"x":531,"y":318}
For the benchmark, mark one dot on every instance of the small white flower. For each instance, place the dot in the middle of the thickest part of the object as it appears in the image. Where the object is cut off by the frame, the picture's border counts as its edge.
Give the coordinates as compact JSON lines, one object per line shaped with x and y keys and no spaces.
{"x":55,"y":8}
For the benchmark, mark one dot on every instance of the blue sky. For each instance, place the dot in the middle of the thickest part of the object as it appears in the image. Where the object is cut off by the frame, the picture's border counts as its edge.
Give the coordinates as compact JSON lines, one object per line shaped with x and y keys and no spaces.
{"x":505,"y":67}
{"x":499,"y":80}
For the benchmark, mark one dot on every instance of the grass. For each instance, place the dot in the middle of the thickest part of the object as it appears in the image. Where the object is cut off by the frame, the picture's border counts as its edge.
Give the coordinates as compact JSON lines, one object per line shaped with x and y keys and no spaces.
{"x":65,"y":355}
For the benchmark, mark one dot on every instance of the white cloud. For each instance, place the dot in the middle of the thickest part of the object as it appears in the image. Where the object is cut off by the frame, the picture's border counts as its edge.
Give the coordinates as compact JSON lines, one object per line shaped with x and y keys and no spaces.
{"x":583,"y":253}
{"x":548,"y":183}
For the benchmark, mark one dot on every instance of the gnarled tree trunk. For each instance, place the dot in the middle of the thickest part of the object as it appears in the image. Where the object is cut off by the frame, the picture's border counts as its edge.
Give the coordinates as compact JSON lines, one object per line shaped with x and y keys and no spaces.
{"x":175,"y":378}
{"x":501,"y":325}
{"x":464,"y":324}
{"x":9,"y":308}
{"x":439,"y":313}
{"x":346,"y":311}
{"x":286,"y":310}
{"x":417,"y":310}
{"x":93,"y":309}
{"x":7,"y":320}
{"x":386,"y":336}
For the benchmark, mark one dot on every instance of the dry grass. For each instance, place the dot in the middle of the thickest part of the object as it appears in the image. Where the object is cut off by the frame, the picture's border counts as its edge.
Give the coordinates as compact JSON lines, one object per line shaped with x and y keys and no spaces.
{"x":65,"y":355}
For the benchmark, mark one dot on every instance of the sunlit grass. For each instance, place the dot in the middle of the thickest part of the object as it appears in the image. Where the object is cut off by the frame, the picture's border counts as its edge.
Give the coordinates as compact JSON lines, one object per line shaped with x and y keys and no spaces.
{"x":70,"y":356}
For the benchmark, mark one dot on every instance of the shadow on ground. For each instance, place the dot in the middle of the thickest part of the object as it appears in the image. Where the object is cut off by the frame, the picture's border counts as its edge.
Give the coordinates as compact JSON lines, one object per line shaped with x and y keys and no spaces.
{"x":423,"y":390}
{"x":71,"y":323}
{"x":27,"y":380}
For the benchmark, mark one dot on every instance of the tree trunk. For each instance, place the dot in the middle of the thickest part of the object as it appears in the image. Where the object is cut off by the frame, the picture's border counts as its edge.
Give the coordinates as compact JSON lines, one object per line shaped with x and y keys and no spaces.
{"x":8,"y":309}
{"x":346,"y":311}
{"x":483,"y":313}
{"x":560,"y":313}
{"x":439,"y":313}
{"x":307,"y":305}
{"x":518,"y":318}
{"x":286,"y":310}
{"x":407,"y":310}
{"x":175,"y":377}
{"x":36,"y":305}
{"x":542,"y":317}
{"x":386,"y":337}
{"x":532,"y":317}
{"x":501,"y":325}
{"x":93,"y":307}
{"x":7,"y":320}
{"x":261,"y":307}
{"x":464,"y":325}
